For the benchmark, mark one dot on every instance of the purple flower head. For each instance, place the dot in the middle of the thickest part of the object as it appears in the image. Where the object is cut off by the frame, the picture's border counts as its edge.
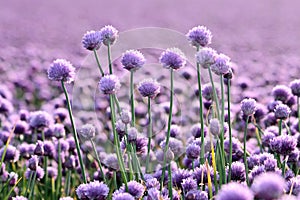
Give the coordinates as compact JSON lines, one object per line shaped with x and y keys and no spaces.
{"x":21,"y":127}
{"x":141,"y":145}
{"x":295,"y":183}
{"x":125,"y":116}
{"x":175,"y":131}
{"x":52,"y":172}
{"x":149,"y":88}
{"x":193,"y":151}
{"x":222,"y":65}
{"x":93,"y":190}
{"x":11,"y":155}
{"x":122,"y":196}
{"x":39,"y":148}
{"x":268,"y":186}
{"x":266,"y":138}
{"x":234,"y":190}
{"x":295,"y":87}
{"x":201,"y":172}
{"x":134,"y":188}
{"x":133,"y":60}
{"x":172,"y":58}
{"x":270,"y":164}
{"x":39,"y":173}
{"x":283,"y":144}
{"x":272,"y":105}
{"x":152,"y":183}
{"x":6,"y":106}
{"x":49,"y":149}
{"x":19,"y":198}
{"x":196,"y":130}
{"x":207,"y":92}
{"x":58,"y":130}
{"x":175,"y":145}
{"x":179,"y":175}
{"x":154,"y":194}
{"x":294,"y":156}
{"x":282,"y":111}
{"x":33,"y":162}
{"x":132,"y":134}
{"x":214,"y":127}
{"x":61,"y":70}
{"x":24,"y":114}
{"x":196,"y":195}
{"x":248,"y":106}
{"x":206,"y":57}
{"x":87,"y":131}
{"x":189,"y":184}
{"x":238,"y":171}
{"x":109,"y":35}
{"x":60,"y":114}
{"x":281,"y":93}
{"x":92,"y":40}
{"x":160,"y":156}
{"x":199,"y":36}
{"x":40,"y":120}
{"x":109,"y":84}
{"x":111,"y":161}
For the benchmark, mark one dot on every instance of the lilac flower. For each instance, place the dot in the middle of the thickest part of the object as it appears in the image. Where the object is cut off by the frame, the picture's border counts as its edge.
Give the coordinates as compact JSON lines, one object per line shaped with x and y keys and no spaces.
{"x":111,"y":161}
{"x":152,"y":183}
{"x":40,"y":120}
{"x":221,"y":65}
{"x":268,"y":186}
{"x":122,"y":196}
{"x":160,"y":156}
{"x":154,"y":194}
{"x":39,"y":173}
{"x":133,"y":60}
{"x":92,"y":40}
{"x":109,"y":84}
{"x":189,"y":184}
{"x":87,"y":131}
{"x":196,"y":195}
{"x":21,"y":127}
{"x":125,"y":116}
{"x":248,"y":106}
{"x":49,"y":149}
{"x":109,"y":35}
{"x":175,"y":145}
{"x":257,"y":170}
{"x":11,"y":155}
{"x":132,"y":134}
{"x":238,"y":171}
{"x":24,"y":114}
{"x":149,"y":88}
{"x":201,"y":172}
{"x":283,"y":144}
{"x":39,"y":148}
{"x":193,"y":151}
{"x":179,"y":175}
{"x":175,"y":131}
{"x":267,"y":137}
{"x":281,"y":93}
{"x":234,"y":190}
{"x":33,"y":162}
{"x":6,"y":106}
{"x":294,"y":184}
{"x":282,"y":111}
{"x":58,"y":130}
{"x":295,"y":87}
{"x":199,"y":36}
{"x":173,"y":58}
{"x":214,"y":127}
{"x":206,"y":57}
{"x":61,"y":70}
{"x":52,"y":172}
{"x":93,"y":190}
{"x":207,"y":92}
{"x":134,"y":188}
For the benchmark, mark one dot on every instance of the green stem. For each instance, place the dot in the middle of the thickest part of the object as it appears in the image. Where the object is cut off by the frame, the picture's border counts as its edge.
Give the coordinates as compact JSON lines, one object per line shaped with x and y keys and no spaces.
{"x":245,"y":155}
{"x":59,"y":177}
{"x":117,"y":144}
{"x":280,"y":126}
{"x":222,"y":126}
{"x":117,"y":103}
{"x":109,"y":58}
{"x":202,"y":160}
{"x":29,"y":183}
{"x":169,"y":130}
{"x":149,"y":134}
{"x":31,"y":194}
{"x":98,"y":160}
{"x":170,"y":181}
{"x":132,"y":99}
{"x":68,"y":182}
{"x":98,"y":62}
{"x":74,"y":132}
{"x":229,"y":127}
{"x":283,"y":165}
{"x":214,"y":93}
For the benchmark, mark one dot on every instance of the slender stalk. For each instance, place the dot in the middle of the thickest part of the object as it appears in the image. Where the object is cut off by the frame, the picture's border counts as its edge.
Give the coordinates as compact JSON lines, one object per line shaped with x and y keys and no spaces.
{"x":245,"y":156}
{"x":132,"y":99}
{"x":74,"y":132}
{"x":214,"y":93}
{"x":68,"y":182}
{"x":59,"y":177}
{"x":117,"y":103}
{"x":169,"y":131}
{"x":31,"y":194}
{"x":98,"y":160}
{"x":202,"y":160}
{"x":149,"y":133}
{"x":222,"y":126}
{"x":117,"y":144}
{"x":109,"y":58}
{"x":170,"y":181}
{"x":98,"y":62}
{"x":29,"y":183}
{"x":229,"y":128}
{"x":280,"y":126}
{"x":283,"y":165}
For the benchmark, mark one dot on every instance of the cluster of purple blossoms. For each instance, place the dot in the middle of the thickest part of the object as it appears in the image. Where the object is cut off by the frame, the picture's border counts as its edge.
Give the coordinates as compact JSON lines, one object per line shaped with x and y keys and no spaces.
{"x":173,"y":58}
{"x":61,"y":70}
{"x":206,"y":57}
{"x":109,"y":84}
{"x":199,"y":36}
{"x":149,"y":88}
{"x":92,"y":40}
{"x":221,"y":65}
{"x":248,"y":106}
{"x":133,"y":60}
{"x":109,"y":35}
{"x":92,"y":190}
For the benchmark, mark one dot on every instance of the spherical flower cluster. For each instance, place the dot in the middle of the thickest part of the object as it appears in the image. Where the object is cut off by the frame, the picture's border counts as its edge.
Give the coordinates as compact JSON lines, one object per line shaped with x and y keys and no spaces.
{"x":199,"y":36}
{"x":281,"y":93}
{"x":40,"y":120}
{"x":189,"y":184}
{"x":295,"y":87}
{"x":283,"y":144}
{"x":122,"y":196}
{"x":221,"y":65}
{"x":206,"y":57}
{"x":149,"y":88}
{"x":248,"y":106}
{"x":208,"y":92}
{"x":125,"y":116}
{"x":92,"y":190}
{"x":268,"y":186}
{"x":11,"y":155}
{"x":193,"y":151}
{"x":282,"y":111}
{"x":214,"y":127}
{"x":87,"y":131}
{"x":234,"y":190}
{"x":173,"y":58}
{"x":109,"y":84}
{"x":238,"y":171}
{"x":61,"y":70}
{"x":134,"y":188}
{"x":92,"y":40}
{"x":109,"y":35}
{"x":133,"y":60}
